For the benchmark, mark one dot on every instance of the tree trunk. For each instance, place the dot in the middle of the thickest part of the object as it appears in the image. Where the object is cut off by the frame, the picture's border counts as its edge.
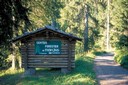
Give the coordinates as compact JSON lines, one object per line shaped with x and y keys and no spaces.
{"x":13,"y":57}
{"x":108,"y":29}
{"x":86,"y":29}
{"x":13,"y":61}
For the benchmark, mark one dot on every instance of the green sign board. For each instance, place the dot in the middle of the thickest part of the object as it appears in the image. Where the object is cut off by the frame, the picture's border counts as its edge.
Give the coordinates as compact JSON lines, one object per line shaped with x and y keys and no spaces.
{"x":45,"y":47}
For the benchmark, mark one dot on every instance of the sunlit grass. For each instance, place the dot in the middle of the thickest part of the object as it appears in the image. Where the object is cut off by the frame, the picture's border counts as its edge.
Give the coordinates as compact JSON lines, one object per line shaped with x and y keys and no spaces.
{"x":10,"y":71}
{"x":10,"y":76}
{"x":82,"y":74}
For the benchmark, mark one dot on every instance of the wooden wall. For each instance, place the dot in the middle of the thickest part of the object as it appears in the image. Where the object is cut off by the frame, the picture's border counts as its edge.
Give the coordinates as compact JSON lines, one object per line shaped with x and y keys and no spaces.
{"x":66,"y":59}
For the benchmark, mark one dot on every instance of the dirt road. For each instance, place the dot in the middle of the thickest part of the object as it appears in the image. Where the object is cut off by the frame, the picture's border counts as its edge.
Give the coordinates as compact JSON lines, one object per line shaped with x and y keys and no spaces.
{"x":108,"y":72}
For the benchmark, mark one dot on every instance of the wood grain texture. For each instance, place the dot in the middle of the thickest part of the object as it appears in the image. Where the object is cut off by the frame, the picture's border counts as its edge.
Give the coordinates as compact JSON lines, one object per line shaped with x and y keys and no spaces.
{"x":65,"y":60}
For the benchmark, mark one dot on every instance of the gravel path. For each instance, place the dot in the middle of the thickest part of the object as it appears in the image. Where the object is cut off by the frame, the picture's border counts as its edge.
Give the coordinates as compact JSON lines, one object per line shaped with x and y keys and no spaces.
{"x":108,"y":72}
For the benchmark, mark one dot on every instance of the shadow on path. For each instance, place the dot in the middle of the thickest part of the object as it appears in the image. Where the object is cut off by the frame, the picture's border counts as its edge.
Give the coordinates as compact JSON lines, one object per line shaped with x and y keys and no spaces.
{"x":108,"y":72}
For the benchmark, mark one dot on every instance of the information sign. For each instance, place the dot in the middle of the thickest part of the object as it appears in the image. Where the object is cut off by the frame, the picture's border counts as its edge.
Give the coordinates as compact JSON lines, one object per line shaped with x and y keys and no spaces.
{"x":44,"y":47}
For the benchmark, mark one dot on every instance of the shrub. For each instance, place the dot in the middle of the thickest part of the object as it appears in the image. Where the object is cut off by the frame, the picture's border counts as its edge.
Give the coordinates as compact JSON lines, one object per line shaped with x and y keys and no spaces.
{"x":124,"y":61}
{"x":122,"y":57}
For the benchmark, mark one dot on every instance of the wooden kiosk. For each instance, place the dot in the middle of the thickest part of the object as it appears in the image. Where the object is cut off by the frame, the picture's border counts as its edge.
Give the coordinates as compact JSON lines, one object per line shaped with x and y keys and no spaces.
{"x":47,"y":47}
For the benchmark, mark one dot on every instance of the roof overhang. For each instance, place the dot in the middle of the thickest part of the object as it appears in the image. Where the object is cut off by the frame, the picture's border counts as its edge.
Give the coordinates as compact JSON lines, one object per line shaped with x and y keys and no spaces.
{"x":28,"y":34}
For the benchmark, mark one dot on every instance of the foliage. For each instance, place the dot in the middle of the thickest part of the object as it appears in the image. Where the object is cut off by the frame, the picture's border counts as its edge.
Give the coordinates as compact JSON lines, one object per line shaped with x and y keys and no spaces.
{"x":12,"y":14}
{"x":101,"y":24}
{"x":4,"y":63}
{"x":122,"y":42}
{"x":99,"y":52}
{"x":82,"y":74}
{"x":43,"y":12}
{"x":73,"y":20}
{"x":18,"y":17}
{"x":120,"y":31}
{"x":119,"y":20}
{"x":121,"y":57}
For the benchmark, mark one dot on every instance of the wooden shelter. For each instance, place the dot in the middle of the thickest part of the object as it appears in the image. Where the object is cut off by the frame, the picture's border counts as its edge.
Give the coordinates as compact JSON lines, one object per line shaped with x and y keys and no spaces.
{"x":47,"y":47}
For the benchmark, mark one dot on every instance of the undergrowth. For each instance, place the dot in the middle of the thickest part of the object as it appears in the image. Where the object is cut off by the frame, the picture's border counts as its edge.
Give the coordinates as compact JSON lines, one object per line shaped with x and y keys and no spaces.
{"x":121,"y":57}
{"x":82,"y":74}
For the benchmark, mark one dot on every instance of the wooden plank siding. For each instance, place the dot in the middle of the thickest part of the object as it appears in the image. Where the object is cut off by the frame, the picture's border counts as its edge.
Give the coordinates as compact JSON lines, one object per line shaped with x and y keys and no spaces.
{"x":65,"y":60}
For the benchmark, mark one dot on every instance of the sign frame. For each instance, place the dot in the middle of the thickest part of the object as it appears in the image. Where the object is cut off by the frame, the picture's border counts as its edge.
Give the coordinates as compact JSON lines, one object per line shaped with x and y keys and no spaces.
{"x":47,"y":47}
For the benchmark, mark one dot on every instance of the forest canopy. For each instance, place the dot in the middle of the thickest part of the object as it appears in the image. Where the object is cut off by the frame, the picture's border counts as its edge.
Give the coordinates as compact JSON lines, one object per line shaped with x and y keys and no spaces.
{"x":20,"y":16}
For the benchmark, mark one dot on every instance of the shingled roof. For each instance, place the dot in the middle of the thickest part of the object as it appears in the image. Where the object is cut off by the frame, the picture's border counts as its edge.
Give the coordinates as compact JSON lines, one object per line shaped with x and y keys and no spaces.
{"x":28,"y":34}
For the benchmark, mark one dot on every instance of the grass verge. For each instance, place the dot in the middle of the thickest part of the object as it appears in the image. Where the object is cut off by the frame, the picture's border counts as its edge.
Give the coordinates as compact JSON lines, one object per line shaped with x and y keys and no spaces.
{"x":121,"y":57}
{"x":82,"y":74}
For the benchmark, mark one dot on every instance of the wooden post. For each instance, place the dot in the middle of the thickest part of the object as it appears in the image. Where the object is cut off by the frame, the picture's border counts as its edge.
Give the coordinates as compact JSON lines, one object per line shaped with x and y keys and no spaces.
{"x":26,"y":56}
{"x":68,"y":69}
{"x":28,"y":71}
{"x":69,"y":54}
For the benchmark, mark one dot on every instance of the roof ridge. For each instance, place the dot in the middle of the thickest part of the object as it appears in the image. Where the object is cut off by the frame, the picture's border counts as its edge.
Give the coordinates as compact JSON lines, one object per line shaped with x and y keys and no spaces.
{"x":41,"y":29}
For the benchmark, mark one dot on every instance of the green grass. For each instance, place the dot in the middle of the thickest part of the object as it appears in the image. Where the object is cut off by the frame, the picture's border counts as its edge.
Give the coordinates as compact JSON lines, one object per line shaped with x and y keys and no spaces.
{"x":10,"y":76}
{"x":82,"y":74}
